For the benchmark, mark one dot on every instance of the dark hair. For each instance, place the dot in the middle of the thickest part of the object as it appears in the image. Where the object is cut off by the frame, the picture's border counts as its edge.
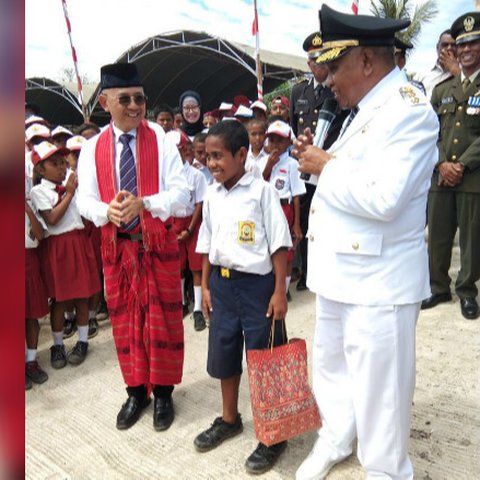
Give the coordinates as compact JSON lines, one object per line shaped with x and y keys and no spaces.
{"x":233,"y":134}
{"x":445,"y":32}
{"x":199,"y":138}
{"x":162,"y":107}
{"x":88,"y":126}
{"x":261,"y":122}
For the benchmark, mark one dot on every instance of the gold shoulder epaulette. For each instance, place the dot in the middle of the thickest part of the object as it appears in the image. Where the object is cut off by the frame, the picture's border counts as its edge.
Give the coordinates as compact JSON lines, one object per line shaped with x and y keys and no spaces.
{"x":410,"y":95}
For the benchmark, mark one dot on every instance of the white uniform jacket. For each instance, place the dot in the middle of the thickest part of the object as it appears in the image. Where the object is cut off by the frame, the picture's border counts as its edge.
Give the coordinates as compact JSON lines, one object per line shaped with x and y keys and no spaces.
{"x":367,"y":217}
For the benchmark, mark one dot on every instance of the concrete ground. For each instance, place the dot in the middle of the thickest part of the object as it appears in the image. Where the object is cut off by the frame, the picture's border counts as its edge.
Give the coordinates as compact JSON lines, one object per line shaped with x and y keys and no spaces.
{"x":70,"y":419}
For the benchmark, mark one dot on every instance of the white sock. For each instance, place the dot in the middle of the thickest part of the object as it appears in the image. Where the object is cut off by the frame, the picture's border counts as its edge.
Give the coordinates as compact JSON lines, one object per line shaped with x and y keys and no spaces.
{"x":83,"y":333}
{"x":31,"y":354}
{"x":69,"y":315}
{"x":287,"y":282}
{"x":92,"y":314}
{"x":183,"y":291}
{"x":57,"y":337}
{"x":197,"y":295}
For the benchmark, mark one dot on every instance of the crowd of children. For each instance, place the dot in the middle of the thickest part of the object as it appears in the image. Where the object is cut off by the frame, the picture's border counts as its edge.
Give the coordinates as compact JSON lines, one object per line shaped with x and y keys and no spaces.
{"x":236,"y":143}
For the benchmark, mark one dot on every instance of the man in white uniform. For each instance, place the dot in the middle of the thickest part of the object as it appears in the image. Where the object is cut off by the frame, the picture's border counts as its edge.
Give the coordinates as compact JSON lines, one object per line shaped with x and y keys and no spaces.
{"x":366,"y":237}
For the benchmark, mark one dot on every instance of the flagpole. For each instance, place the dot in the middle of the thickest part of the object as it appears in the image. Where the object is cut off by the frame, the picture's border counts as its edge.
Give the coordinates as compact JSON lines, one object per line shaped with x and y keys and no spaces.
{"x":258,"y":63}
{"x":75,"y":63}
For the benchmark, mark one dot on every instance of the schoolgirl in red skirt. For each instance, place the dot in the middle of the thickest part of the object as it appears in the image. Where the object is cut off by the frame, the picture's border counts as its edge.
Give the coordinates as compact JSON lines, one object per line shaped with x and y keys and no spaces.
{"x":69,"y":265}
{"x":36,"y":299}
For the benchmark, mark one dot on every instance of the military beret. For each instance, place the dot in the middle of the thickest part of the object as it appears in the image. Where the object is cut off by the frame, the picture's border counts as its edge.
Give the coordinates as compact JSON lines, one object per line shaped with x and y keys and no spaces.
{"x":341,"y":31}
{"x":466,"y":28}
{"x":119,"y":75}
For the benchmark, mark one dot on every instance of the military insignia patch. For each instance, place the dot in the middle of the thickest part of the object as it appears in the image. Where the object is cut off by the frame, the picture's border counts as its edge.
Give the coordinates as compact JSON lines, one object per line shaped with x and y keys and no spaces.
{"x":468,"y":24}
{"x":473,"y":106}
{"x":409,"y":94}
{"x":246,"y":232}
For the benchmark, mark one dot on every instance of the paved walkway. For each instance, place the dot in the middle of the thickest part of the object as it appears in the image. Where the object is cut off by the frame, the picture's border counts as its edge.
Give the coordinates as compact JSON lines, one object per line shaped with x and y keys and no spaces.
{"x":70,"y":420}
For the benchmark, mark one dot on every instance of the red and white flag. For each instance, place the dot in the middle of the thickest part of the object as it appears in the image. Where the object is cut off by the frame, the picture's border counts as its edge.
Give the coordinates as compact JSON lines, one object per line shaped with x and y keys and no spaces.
{"x":355,"y":6}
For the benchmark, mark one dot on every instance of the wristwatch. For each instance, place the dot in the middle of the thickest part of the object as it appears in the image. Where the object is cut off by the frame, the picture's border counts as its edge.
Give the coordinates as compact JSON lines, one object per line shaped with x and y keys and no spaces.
{"x":146,"y":203}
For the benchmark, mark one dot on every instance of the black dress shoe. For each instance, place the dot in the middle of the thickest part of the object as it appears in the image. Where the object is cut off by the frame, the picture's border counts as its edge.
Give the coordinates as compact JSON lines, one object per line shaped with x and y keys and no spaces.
{"x":434,"y":299}
{"x":263,"y":458}
{"x":469,"y":308}
{"x":130,"y":411}
{"x":163,"y":413}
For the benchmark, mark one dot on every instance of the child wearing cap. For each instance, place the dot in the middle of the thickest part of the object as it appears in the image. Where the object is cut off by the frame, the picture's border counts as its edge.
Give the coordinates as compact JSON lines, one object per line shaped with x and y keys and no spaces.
{"x":187,"y":227}
{"x":259,"y":109}
{"x":281,"y":171}
{"x":280,"y":106}
{"x":74,"y":145}
{"x":60,"y":135}
{"x":36,"y":298}
{"x":69,"y":263}
{"x":210,"y":119}
{"x":243,"y":236}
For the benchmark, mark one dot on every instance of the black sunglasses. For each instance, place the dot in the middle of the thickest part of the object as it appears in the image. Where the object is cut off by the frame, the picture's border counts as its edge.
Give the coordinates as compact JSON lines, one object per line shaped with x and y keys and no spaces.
{"x":138,"y":98}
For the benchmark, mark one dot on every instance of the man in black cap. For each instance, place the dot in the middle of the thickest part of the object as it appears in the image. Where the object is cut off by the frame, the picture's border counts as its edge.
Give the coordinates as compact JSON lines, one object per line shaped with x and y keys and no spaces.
{"x":401,"y":48}
{"x":454,"y":198}
{"x":130,"y":184}
{"x":306,"y":100}
{"x":368,"y":263}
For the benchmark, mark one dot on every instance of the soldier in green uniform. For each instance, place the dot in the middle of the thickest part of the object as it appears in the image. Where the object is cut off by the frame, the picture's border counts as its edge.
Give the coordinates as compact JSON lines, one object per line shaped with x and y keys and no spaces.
{"x":306,"y":100}
{"x":454,"y":198}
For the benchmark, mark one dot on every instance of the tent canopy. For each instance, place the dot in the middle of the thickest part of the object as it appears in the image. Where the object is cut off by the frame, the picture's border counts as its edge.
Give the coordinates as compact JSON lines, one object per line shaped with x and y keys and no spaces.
{"x":169,"y":64}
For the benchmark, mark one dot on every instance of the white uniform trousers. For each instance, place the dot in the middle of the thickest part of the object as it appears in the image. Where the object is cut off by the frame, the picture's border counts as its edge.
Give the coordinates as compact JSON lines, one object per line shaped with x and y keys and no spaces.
{"x":363,"y":380}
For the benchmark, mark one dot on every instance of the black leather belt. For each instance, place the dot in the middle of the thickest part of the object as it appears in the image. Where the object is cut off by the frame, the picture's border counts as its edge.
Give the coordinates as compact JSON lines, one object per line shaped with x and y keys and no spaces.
{"x":231,"y":274}
{"x":285,"y":201}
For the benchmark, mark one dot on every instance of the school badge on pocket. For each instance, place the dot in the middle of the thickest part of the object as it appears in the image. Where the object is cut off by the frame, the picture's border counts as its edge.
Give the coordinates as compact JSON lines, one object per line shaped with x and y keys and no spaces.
{"x":246,"y":232}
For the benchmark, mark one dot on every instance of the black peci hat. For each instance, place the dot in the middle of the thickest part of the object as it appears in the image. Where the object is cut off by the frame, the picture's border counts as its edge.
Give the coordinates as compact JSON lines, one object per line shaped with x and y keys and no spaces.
{"x":466,"y":28}
{"x":342,"y":31}
{"x":119,"y":75}
{"x":401,"y":46}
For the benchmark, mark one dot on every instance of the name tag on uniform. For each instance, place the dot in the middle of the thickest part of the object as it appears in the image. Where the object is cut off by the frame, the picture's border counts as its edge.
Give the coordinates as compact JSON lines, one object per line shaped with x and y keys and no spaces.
{"x":446,"y":100}
{"x":246,"y":232}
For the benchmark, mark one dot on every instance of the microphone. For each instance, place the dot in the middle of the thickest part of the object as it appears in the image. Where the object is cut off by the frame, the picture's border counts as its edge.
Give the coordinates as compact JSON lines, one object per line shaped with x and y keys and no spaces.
{"x":325,"y":119}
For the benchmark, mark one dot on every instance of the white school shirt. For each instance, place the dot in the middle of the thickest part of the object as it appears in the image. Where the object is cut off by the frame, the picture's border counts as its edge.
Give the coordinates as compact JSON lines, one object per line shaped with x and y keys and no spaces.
{"x":285,"y":178}
{"x":256,"y":164}
{"x":44,"y":197}
{"x":204,"y":169}
{"x":173,"y":192}
{"x":30,"y":239}
{"x":197,"y":187}
{"x":242,"y":227}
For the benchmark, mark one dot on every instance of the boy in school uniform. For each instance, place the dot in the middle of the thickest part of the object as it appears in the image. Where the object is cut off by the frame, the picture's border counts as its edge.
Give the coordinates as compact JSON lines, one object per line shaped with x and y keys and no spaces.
{"x":281,"y":170}
{"x":257,"y":156}
{"x":244,"y":235}
{"x":200,"y":160}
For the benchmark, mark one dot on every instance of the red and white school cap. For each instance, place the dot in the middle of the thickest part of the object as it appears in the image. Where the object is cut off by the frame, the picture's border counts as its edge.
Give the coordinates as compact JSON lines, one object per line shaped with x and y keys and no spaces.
{"x":280,"y":128}
{"x":37,"y":130}
{"x":61,"y":131}
{"x":224,"y":106}
{"x":244,"y":112}
{"x":34,"y":119}
{"x":76,"y":142}
{"x":281,"y":99}
{"x":45,"y":150}
{"x":258,"y":104}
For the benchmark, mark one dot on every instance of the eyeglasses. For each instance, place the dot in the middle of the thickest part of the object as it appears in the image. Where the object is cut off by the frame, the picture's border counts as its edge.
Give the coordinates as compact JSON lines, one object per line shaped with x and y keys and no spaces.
{"x":195,"y":108}
{"x":138,"y":98}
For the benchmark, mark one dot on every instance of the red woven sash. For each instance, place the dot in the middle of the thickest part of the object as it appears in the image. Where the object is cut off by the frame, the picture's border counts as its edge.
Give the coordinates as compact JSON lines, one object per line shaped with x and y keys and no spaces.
{"x":147,"y":164}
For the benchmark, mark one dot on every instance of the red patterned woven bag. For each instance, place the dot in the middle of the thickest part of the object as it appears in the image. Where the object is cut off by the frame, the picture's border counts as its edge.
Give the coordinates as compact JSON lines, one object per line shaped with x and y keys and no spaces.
{"x":283,"y":404}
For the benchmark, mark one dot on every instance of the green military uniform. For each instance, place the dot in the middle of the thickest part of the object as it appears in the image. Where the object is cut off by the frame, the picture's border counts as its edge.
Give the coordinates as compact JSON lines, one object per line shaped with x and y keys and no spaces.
{"x":459,"y":206}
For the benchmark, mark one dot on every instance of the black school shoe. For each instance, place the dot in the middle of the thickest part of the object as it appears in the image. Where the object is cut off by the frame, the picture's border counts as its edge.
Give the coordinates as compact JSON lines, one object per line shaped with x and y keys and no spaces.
{"x":78,"y":353}
{"x":130,"y":411}
{"x":58,"y":357}
{"x":218,"y":432}
{"x":69,"y":327}
{"x":264,"y":458}
{"x":35,"y":373}
{"x":199,"y":321}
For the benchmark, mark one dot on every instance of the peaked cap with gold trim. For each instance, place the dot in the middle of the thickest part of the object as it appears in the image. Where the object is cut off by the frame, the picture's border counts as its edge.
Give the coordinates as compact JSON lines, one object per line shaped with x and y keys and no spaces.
{"x":313,"y":44}
{"x":466,"y":28}
{"x":341,"y":32}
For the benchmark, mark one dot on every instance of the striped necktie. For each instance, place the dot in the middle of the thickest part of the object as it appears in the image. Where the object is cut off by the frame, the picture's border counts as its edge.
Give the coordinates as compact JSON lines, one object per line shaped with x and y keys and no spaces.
{"x":349,"y":120}
{"x":128,"y":174}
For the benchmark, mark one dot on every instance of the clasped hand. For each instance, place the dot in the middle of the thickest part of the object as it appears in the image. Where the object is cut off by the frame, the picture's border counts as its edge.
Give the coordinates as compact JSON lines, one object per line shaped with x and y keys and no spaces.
{"x":310,"y":159}
{"x":124,"y":208}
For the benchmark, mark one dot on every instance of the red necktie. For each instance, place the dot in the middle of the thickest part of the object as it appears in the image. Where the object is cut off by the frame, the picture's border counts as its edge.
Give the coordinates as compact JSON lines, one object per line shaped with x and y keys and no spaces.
{"x":61,"y":190}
